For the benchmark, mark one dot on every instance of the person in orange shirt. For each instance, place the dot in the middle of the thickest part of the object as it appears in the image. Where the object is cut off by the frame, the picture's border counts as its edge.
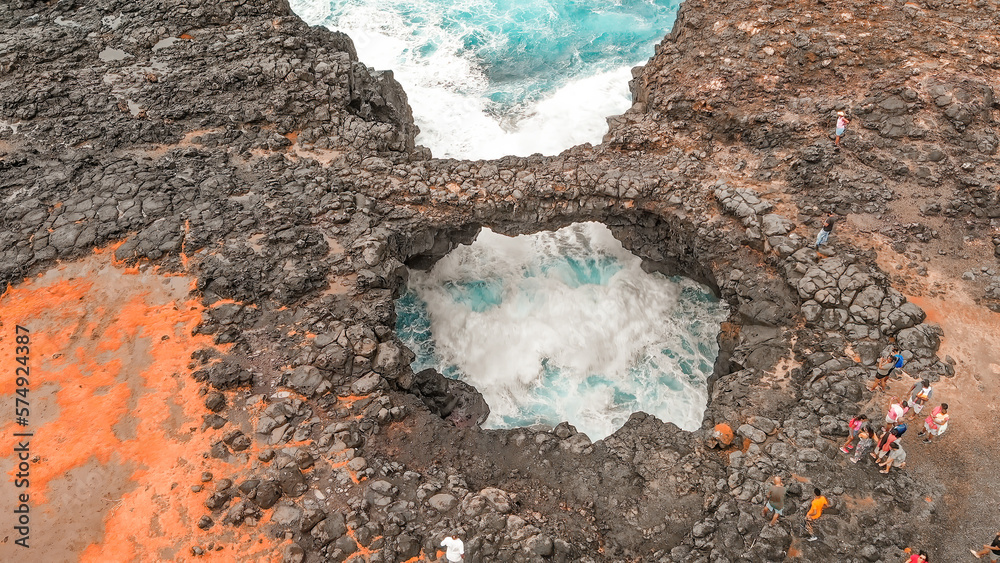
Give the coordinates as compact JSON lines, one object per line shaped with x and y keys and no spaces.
{"x":815,"y":511}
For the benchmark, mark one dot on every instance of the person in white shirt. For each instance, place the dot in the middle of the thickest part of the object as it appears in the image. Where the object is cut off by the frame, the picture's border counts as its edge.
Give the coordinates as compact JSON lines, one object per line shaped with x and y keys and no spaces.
{"x":920,"y":394}
{"x":896,"y":412}
{"x":455,"y":549}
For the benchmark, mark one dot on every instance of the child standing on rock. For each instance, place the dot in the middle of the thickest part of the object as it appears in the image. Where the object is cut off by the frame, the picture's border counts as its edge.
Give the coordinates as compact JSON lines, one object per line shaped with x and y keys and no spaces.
{"x":455,"y":549}
{"x":853,"y":429}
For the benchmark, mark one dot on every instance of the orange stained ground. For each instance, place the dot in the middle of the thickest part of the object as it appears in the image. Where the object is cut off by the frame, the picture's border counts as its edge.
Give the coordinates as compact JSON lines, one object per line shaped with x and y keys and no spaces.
{"x":110,"y":387}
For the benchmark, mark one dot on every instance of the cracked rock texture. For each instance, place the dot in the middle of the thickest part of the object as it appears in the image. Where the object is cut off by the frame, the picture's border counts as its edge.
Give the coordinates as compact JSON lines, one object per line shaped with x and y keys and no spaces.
{"x":231,"y":140}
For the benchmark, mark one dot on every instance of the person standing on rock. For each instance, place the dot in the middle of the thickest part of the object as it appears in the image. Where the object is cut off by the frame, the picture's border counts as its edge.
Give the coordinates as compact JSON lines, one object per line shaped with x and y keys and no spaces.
{"x":775,"y":500}
{"x":936,"y":423}
{"x":455,"y":549}
{"x":993,"y":550}
{"x":866,"y":443}
{"x":896,"y":412}
{"x":816,"y":507}
{"x":842,"y":123}
{"x":853,"y":429}
{"x":920,"y":394}
{"x":824,"y":233}
{"x":896,"y":457}
{"x":886,"y":441}
{"x":885,"y":368}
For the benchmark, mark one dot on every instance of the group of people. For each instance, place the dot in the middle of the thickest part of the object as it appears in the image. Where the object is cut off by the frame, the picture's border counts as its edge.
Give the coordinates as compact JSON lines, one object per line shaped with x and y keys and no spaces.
{"x":881,"y":442}
{"x":884,"y":444}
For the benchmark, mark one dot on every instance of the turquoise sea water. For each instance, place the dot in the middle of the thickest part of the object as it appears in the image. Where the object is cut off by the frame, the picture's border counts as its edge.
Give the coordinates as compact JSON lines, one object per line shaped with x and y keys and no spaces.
{"x":564,"y":325}
{"x":492,"y":77}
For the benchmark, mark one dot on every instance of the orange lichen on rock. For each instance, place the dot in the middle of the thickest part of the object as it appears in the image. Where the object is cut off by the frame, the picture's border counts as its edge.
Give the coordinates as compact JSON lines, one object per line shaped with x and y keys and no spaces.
{"x":116,"y":418}
{"x":724,"y":434}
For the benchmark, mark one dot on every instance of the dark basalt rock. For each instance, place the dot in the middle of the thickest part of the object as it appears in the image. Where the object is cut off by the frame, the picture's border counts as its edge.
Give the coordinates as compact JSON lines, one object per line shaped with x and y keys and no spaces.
{"x":453,"y":400}
{"x":282,"y":172}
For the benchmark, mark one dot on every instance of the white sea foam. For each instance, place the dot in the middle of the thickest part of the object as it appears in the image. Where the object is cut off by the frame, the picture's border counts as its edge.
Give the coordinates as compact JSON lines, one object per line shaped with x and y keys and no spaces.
{"x":447,"y":87}
{"x":458,"y":125}
{"x":566,"y":325}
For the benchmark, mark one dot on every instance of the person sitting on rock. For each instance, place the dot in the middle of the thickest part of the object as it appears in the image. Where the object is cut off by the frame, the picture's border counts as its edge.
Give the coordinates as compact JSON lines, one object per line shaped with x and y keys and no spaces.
{"x":896,"y":457}
{"x":936,"y":423}
{"x":886,"y":366}
{"x":920,"y":394}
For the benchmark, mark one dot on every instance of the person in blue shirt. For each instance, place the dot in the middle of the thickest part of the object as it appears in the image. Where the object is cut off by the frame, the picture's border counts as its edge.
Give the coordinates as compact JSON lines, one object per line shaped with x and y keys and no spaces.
{"x":886,"y":367}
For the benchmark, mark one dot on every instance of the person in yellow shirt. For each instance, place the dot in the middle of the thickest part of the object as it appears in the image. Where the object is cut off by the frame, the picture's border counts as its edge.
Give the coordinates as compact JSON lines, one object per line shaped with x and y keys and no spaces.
{"x":815,"y":511}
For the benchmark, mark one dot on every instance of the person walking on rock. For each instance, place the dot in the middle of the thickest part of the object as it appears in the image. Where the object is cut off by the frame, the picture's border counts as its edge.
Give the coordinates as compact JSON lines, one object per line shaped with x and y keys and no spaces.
{"x":896,"y":457}
{"x":854,"y":427}
{"x":920,"y":395}
{"x":936,"y":423}
{"x":824,"y":233}
{"x":885,"y":368}
{"x":455,"y":549}
{"x":993,"y":550}
{"x":866,"y":443}
{"x":816,"y":507}
{"x":775,"y":500}
{"x":896,"y":412}
{"x":885,"y":442}
{"x":842,"y":123}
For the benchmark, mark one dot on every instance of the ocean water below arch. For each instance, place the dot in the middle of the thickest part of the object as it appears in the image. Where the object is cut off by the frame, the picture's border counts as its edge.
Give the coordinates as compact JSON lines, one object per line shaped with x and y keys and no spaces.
{"x":489,"y":78}
{"x":564,"y":325}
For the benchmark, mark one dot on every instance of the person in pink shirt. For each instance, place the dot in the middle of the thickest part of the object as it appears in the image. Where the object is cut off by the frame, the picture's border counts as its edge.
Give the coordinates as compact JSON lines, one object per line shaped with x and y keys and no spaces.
{"x":896,"y":412}
{"x":853,"y":428}
{"x":936,"y":423}
{"x":842,"y":122}
{"x":885,"y":442}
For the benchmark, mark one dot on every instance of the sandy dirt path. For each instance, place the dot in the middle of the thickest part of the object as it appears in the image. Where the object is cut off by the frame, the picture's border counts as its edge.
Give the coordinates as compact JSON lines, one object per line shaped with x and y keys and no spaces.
{"x":965,"y":460}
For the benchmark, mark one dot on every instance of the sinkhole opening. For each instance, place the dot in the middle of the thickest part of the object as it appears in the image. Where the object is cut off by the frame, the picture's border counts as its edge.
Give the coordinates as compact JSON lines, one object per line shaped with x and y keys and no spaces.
{"x":564,"y":326}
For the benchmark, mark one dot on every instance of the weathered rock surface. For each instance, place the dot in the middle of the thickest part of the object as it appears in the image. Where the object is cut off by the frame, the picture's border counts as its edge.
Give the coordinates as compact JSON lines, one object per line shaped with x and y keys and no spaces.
{"x":261,"y":155}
